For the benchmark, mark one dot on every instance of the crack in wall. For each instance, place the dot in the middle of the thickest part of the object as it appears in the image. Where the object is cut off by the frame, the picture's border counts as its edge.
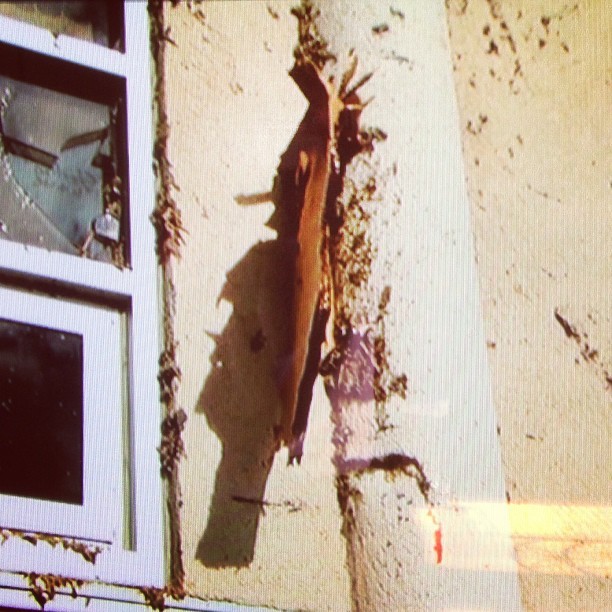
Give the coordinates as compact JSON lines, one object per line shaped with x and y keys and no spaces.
{"x":166,"y":216}
{"x":351,"y":496}
{"x":358,"y":365}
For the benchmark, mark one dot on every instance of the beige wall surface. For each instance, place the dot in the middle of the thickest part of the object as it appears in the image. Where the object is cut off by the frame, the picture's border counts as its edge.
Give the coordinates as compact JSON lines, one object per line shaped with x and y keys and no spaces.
{"x":233,"y":110}
{"x":533,"y":87}
{"x":534,"y":83}
{"x":253,"y":529}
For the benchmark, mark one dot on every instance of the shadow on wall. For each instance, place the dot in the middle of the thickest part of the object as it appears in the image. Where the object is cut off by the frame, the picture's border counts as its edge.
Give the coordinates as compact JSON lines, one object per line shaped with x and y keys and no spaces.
{"x":240,"y":396}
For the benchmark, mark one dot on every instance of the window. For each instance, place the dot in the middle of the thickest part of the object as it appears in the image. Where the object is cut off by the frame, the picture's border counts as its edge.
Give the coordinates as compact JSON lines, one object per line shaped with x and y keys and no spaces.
{"x":54,"y":404}
{"x":79,"y":315}
{"x":61,"y":156}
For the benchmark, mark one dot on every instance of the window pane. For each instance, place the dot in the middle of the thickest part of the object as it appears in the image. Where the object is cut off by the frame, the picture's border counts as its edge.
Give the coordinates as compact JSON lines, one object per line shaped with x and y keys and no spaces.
{"x":60,"y":187}
{"x":41,"y":413}
{"x":91,"y":20}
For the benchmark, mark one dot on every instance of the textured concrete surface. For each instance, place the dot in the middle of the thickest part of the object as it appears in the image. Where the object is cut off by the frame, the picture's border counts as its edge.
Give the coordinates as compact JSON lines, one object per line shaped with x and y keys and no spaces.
{"x":534,"y":90}
{"x":533,"y":83}
{"x":234,"y":113}
{"x":424,"y":253}
{"x":254,"y":530}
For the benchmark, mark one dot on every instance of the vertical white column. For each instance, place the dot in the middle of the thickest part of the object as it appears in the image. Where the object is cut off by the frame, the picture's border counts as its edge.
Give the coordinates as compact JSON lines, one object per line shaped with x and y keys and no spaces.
{"x":448,"y":547}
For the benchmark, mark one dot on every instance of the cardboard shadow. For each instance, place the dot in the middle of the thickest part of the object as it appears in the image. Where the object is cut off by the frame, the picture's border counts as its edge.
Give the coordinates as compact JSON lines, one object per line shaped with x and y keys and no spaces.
{"x":266,"y":335}
{"x":240,"y":396}
{"x":240,"y":401}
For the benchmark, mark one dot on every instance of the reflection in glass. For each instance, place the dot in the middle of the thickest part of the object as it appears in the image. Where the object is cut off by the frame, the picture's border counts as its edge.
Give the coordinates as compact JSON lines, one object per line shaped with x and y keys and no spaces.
{"x":59,"y":171}
{"x":91,"y":20}
{"x":41,"y":413}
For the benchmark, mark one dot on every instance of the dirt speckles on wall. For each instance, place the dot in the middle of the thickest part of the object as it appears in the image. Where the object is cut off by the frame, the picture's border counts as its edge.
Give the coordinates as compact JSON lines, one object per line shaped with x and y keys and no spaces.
{"x":537,"y":72}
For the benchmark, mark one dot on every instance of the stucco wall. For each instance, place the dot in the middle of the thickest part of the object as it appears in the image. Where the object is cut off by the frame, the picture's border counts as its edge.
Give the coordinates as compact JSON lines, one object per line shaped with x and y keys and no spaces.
{"x":233,"y":111}
{"x":253,"y":529}
{"x":534,"y":89}
{"x":533,"y":127}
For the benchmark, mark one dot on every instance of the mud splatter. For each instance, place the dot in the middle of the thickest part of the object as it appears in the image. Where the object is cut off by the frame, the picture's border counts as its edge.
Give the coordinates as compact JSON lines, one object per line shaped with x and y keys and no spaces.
{"x":156,"y":598}
{"x":589,"y":354}
{"x":88,"y":551}
{"x":166,"y":216}
{"x":170,"y":237}
{"x":44,"y":587}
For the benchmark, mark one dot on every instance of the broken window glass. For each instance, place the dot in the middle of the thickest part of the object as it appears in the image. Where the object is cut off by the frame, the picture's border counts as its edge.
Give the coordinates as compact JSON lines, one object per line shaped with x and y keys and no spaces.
{"x":41,"y":413}
{"x":96,"y":21}
{"x":60,"y":188}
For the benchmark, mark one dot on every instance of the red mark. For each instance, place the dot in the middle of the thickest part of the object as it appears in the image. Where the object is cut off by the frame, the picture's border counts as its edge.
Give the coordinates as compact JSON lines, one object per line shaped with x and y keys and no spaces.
{"x":438,"y":545}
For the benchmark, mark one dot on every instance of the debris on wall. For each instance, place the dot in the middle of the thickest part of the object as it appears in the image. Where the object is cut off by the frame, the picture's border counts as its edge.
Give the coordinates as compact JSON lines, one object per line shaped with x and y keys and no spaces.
{"x":329,"y":139}
{"x":172,"y":448}
{"x":334,"y":253}
{"x":357,"y":369}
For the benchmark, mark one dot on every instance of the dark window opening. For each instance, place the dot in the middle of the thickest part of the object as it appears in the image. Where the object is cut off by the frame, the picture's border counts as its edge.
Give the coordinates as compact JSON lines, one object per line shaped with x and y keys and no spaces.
{"x":41,"y":413}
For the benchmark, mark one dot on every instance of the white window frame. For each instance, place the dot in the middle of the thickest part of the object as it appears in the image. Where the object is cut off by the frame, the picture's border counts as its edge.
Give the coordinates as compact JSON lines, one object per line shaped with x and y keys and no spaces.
{"x":100,"y":330}
{"x":132,"y":539}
